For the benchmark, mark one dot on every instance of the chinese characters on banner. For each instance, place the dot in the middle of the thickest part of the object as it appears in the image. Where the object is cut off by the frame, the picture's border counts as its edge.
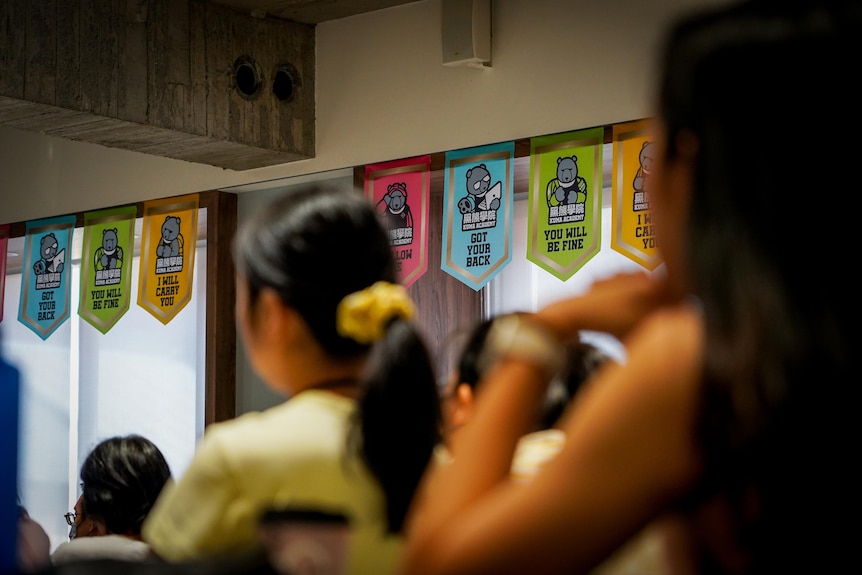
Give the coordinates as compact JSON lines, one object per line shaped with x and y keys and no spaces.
{"x":565,"y":201}
{"x":477,"y":212}
{"x":170,"y":230}
{"x":46,"y":274}
{"x":4,"y":240}
{"x":401,"y":192}
{"x":633,"y":157}
{"x":106,"y":266}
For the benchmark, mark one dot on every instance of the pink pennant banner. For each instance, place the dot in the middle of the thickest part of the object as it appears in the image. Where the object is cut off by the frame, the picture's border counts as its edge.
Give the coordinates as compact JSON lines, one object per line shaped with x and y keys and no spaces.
{"x":400,"y":190}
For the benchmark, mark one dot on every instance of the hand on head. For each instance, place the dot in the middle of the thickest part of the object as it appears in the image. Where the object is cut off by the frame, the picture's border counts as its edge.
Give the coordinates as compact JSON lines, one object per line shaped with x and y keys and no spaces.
{"x":612,"y":305}
{"x":730,"y":414}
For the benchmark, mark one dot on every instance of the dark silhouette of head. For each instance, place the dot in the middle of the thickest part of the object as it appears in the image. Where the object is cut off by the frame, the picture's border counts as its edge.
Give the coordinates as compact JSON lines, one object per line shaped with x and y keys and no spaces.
{"x":122,"y":477}
{"x":742,"y":88}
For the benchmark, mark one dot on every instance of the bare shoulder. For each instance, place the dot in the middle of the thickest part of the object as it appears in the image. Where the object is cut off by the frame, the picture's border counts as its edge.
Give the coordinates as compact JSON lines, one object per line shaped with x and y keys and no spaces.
{"x":685,"y":315}
{"x":664,"y":363}
{"x":646,"y":406}
{"x":671,"y":339}
{"x":664,"y":370}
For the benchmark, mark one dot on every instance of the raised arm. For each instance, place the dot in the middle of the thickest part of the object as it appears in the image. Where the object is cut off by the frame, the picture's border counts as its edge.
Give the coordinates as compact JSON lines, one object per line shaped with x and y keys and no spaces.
{"x":629,"y":449}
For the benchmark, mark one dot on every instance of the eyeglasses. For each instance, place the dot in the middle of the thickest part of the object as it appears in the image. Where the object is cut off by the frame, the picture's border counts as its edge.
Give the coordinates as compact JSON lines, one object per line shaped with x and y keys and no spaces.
{"x":70,"y":520}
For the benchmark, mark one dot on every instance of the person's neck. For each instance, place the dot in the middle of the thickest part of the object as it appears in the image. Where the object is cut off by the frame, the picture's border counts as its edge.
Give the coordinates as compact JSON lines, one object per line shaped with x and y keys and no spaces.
{"x":344,"y":386}
{"x":132,"y":536}
{"x":339,"y":379}
{"x":305,"y":367}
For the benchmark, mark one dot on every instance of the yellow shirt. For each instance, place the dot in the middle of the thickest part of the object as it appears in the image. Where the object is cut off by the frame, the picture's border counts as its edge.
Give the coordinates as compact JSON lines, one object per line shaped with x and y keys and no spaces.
{"x":293,"y":454}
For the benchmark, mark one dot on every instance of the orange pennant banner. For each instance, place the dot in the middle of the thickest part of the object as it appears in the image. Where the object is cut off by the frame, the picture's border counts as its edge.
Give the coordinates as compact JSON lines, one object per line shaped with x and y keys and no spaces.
{"x":168,"y":255}
{"x":632,"y":230}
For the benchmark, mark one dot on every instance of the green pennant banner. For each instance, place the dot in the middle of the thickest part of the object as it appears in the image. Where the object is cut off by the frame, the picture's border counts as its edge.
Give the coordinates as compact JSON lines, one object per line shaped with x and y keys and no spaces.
{"x":565,"y":201}
{"x":106,"y":266}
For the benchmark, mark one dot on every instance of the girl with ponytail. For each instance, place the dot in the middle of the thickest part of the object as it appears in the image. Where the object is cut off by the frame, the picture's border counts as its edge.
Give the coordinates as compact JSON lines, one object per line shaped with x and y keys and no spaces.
{"x":323,"y":321}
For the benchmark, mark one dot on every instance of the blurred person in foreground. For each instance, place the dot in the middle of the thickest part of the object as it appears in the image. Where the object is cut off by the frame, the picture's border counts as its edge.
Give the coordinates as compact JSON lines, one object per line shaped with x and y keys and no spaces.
{"x":731,"y":416}
{"x":325,"y":322}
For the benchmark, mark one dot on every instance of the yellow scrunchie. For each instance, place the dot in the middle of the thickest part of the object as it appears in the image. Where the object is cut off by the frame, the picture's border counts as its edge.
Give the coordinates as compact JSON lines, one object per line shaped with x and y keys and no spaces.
{"x":363,"y":316}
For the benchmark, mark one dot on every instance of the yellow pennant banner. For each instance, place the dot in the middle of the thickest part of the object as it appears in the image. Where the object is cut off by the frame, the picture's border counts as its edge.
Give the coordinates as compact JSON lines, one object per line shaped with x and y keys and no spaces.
{"x":633,"y":157}
{"x":168,"y":255}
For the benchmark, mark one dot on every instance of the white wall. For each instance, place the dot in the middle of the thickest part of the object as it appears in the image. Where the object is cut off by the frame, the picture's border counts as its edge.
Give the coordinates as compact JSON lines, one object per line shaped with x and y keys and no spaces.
{"x":383,"y":93}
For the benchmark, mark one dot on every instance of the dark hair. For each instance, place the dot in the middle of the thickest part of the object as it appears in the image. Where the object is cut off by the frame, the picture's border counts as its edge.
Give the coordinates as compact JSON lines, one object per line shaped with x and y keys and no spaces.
{"x":582,"y":359}
{"x":468,"y":358}
{"x":767,"y":89}
{"x":314,"y":247}
{"x":122,"y":478}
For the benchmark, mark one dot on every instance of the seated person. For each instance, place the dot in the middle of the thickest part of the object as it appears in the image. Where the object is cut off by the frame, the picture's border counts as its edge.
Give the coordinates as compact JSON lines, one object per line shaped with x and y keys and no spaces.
{"x":645,"y":553}
{"x":582,"y":359}
{"x":34,"y":545}
{"x":361,"y":414}
{"x":121,"y":479}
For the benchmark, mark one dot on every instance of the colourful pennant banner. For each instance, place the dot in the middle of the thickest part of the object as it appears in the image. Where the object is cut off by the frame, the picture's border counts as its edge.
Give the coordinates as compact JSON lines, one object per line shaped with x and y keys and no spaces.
{"x":4,"y":242}
{"x":565,"y":201}
{"x":477,"y":212}
{"x":46,"y":274}
{"x":170,"y":229}
{"x":401,"y":192}
{"x":634,"y":157}
{"x":106,"y":266}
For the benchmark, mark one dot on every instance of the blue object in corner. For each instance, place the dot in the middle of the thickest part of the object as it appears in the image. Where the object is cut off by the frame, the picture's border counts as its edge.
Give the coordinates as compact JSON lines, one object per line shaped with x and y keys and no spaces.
{"x":9,"y":410}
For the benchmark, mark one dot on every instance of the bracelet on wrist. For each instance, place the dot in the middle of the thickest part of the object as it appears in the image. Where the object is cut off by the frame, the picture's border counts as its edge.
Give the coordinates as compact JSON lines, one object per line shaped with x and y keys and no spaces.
{"x":516,"y":337}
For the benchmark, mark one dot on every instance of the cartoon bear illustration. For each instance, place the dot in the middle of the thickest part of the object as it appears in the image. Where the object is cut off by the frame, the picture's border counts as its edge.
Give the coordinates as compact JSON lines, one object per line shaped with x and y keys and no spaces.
{"x":172,"y":240}
{"x":568,"y":187}
{"x":480,"y":194}
{"x":51,"y":261}
{"x":109,"y":255}
{"x":396,"y":211}
{"x":641,"y":182}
